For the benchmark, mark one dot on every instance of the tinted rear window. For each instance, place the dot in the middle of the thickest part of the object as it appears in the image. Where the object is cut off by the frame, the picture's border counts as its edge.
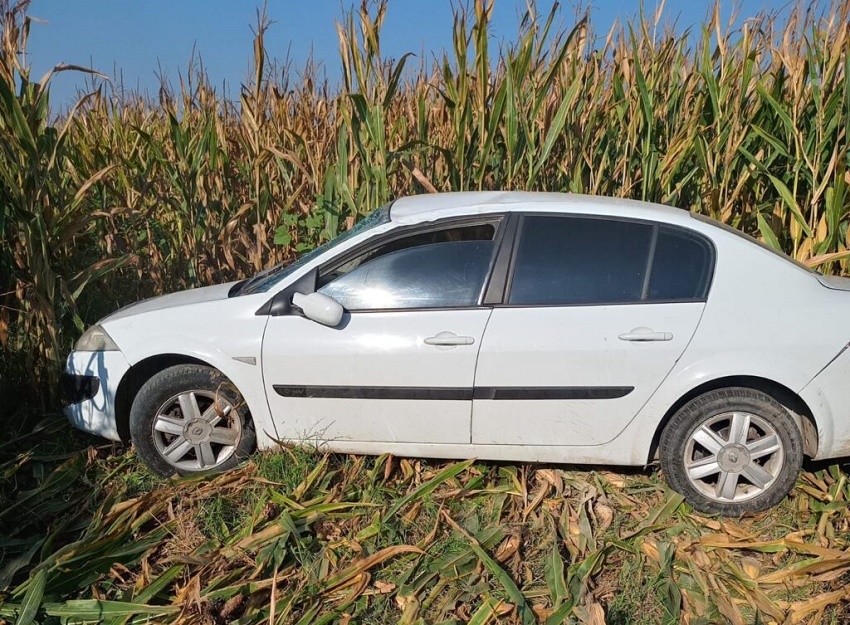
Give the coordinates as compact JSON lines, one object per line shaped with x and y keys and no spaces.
{"x":578,"y":260}
{"x":565,"y":260}
{"x":681,"y":268}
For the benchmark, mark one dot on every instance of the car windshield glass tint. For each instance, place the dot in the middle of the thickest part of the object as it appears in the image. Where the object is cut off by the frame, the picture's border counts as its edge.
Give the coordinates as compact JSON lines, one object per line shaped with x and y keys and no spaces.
{"x":264,"y":280}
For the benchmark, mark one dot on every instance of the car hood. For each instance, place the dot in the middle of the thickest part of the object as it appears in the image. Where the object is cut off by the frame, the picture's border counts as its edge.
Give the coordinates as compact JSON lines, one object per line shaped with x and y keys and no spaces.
{"x":173,"y":300}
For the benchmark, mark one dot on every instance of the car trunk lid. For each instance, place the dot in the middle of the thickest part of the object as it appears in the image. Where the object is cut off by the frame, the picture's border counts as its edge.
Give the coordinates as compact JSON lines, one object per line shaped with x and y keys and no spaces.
{"x":836,"y":283}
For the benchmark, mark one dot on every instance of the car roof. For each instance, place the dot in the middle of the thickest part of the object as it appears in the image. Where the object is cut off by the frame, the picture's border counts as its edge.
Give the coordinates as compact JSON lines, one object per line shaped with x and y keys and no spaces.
{"x":415,"y":208}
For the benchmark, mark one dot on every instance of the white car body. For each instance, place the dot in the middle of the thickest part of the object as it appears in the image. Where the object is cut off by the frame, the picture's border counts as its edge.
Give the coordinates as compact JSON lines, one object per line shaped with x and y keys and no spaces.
{"x":766,"y":323}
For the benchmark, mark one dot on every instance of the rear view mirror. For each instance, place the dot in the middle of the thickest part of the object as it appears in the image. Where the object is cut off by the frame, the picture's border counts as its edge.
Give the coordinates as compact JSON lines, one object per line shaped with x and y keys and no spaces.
{"x":319,"y":307}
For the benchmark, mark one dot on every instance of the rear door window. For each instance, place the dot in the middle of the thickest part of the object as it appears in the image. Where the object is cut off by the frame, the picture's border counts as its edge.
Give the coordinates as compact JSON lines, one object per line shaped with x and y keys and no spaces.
{"x":576,"y":260}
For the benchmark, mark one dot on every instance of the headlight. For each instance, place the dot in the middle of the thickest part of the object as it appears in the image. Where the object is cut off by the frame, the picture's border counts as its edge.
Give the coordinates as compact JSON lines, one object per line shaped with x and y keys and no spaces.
{"x":95,"y":339}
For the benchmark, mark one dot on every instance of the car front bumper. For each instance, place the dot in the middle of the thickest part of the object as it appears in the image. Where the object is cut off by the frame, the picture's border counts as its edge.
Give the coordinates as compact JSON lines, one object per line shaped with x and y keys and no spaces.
{"x":89,"y":385}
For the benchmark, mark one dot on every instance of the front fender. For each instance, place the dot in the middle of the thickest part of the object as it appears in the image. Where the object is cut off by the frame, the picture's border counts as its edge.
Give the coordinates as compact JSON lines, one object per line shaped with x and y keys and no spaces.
{"x":225,"y":334}
{"x":245,"y":376}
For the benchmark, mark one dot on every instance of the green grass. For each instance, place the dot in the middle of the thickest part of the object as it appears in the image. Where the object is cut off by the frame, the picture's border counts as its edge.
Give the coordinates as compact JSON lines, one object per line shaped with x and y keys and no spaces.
{"x":636,"y":600}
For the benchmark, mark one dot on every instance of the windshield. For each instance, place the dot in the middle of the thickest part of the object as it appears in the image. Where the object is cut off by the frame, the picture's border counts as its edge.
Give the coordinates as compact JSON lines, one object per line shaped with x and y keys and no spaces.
{"x":264,"y":280}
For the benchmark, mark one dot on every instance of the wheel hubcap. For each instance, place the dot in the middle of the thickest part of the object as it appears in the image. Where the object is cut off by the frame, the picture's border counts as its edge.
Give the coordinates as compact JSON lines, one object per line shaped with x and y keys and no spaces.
{"x":196,"y":431}
{"x":733,"y":456}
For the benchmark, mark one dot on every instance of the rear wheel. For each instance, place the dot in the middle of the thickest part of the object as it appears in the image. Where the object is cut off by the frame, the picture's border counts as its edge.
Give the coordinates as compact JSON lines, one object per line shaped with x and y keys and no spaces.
{"x":732,"y":451}
{"x":190,"y":419}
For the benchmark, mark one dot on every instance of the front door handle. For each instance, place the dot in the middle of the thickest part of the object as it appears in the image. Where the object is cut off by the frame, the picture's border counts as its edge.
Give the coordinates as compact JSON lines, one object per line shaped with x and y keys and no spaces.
{"x":449,"y":339}
{"x":645,"y":335}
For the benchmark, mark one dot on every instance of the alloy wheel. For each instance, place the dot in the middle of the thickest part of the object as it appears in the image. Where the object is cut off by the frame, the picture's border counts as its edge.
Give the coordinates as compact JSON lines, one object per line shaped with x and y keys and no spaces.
{"x":733,"y":456}
{"x":194,"y":430}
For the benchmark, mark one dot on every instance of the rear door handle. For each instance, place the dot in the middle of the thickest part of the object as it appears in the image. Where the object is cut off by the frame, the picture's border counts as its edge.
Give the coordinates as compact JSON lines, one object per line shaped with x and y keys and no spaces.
{"x":449,"y":339}
{"x":645,"y":335}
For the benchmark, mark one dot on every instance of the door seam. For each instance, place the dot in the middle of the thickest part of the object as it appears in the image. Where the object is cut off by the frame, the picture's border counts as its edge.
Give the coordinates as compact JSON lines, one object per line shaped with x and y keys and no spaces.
{"x":475,"y":373}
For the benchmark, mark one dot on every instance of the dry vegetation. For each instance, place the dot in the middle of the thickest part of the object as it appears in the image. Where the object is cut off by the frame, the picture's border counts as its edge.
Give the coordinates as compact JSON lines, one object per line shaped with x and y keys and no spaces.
{"x":124,"y":197}
{"x":298,"y":537}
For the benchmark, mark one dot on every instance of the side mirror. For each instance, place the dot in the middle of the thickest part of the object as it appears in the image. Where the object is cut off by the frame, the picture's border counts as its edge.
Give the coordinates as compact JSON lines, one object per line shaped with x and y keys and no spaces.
{"x":319,"y":307}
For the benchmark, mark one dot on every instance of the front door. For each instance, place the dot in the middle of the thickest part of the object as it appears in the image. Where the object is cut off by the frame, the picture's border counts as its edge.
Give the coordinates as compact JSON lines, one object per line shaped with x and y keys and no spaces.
{"x":597,"y":313}
{"x":377,"y":379}
{"x":400,"y":367}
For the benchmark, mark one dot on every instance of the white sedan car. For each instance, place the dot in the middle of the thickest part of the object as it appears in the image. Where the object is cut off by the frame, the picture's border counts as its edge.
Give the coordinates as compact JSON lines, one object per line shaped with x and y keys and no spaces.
{"x":505,"y":326}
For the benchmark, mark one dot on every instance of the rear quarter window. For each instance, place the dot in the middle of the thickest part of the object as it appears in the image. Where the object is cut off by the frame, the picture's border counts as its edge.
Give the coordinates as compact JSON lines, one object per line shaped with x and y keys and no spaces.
{"x":681,"y":266}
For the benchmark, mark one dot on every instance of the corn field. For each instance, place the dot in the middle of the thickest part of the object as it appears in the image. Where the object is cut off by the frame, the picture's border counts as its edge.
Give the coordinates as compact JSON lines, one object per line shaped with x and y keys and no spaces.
{"x":123,"y":197}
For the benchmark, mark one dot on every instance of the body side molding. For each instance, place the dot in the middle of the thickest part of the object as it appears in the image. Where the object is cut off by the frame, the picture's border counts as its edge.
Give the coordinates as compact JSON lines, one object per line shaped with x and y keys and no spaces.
{"x":453,"y":393}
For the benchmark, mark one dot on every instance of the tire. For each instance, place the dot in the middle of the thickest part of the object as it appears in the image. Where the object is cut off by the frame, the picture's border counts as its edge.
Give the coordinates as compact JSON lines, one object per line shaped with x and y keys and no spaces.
{"x":217,"y":435}
{"x":731,"y":452}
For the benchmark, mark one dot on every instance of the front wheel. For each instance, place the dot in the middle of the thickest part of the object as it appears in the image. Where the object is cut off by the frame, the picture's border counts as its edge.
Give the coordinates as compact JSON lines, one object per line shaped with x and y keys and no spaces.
{"x":732,"y":451}
{"x":189,"y":419}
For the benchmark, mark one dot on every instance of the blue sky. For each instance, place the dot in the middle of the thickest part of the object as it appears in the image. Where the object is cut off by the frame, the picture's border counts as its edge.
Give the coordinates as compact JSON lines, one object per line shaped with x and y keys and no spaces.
{"x":133,"y":38}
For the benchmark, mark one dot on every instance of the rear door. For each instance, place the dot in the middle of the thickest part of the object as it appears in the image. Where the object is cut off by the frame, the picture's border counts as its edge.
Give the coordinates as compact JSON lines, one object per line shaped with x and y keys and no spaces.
{"x":596,"y":313}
